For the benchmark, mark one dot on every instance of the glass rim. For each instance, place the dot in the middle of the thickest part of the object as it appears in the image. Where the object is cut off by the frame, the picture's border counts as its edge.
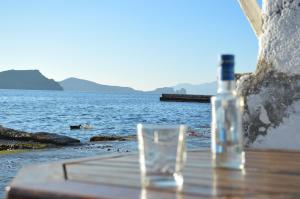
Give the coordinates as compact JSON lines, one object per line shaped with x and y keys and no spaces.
{"x":161,"y":126}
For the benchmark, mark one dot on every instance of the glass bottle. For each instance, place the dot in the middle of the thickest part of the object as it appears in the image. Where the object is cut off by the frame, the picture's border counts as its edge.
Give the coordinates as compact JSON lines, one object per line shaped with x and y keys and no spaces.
{"x":226,"y":129}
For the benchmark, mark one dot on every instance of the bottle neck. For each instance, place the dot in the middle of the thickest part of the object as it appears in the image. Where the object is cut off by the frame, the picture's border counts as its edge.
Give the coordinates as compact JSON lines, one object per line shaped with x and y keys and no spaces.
{"x":226,"y":86}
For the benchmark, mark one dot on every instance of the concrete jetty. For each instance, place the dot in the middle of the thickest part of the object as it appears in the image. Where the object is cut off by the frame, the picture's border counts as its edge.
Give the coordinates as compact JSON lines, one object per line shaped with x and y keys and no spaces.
{"x":185,"y":98}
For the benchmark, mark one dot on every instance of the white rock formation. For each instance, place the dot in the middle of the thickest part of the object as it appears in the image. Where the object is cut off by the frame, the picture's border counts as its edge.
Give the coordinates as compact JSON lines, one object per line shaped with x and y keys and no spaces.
{"x":279,"y":44}
{"x":272,"y":93}
{"x":285,"y":136}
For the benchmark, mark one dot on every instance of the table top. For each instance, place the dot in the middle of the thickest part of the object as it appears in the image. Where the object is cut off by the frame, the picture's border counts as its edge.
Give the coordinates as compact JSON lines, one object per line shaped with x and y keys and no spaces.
{"x":267,"y":174}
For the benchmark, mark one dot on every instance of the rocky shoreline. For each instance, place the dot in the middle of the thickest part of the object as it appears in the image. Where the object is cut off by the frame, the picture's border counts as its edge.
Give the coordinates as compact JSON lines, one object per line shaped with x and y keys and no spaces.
{"x":11,"y":139}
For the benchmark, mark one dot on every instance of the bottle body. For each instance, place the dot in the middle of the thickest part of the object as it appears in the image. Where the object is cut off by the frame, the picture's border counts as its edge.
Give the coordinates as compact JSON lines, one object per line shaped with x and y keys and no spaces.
{"x":226,"y":129}
{"x":227,"y":136}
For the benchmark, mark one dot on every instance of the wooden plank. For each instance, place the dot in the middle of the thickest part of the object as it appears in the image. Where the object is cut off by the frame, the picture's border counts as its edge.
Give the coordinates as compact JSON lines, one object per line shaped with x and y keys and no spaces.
{"x":283,"y":162}
{"x":253,"y":14}
{"x":77,"y":190}
{"x":189,"y":187}
{"x":280,"y":164}
{"x":258,"y":180}
{"x":277,"y":155}
{"x":272,"y":174}
{"x":191,"y":175}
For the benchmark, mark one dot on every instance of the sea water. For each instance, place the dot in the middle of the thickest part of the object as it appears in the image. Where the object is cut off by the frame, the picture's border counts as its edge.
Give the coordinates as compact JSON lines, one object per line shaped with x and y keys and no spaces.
{"x":109,"y":114}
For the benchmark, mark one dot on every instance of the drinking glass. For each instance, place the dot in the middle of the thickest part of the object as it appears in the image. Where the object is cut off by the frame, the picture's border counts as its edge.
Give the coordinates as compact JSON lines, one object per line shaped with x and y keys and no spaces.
{"x":161,"y":154}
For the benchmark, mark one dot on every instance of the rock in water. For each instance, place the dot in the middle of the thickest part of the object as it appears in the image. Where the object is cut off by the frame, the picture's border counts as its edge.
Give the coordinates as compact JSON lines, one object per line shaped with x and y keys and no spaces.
{"x":98,"y":138}
{"x":272,"y":94}
{"x":52,"y":138}
{"x":41,"y":137}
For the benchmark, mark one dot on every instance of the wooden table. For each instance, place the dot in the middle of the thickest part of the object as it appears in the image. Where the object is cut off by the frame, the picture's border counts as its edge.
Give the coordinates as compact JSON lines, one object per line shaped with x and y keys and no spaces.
{"x":268,"y":174}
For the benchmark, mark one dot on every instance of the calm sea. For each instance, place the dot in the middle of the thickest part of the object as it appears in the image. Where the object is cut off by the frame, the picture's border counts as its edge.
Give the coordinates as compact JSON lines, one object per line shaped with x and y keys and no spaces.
{"x":109,"y":114}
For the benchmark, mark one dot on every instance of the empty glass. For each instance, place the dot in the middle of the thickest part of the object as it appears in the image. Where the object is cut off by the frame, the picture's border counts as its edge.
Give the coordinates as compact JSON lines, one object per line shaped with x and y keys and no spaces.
{"x":162,"y":155}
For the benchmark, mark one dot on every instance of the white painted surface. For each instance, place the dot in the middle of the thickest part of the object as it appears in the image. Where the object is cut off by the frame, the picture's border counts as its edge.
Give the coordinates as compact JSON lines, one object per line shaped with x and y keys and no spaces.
{"x":279,"y":44}
{"x":286,"y":136}
{"x":254,"y":103}
{"x":263,"y":116}
{"x":253,"y":14}
{"x":279,"y":47}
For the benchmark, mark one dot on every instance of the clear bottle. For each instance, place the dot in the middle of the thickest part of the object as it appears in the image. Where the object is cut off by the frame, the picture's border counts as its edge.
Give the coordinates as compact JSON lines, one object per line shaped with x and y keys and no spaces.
{"x":226,"y":129}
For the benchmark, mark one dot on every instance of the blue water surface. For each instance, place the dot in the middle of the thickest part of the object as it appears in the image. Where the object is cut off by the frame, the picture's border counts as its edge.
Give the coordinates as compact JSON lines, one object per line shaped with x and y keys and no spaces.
{"x":109,"y":114}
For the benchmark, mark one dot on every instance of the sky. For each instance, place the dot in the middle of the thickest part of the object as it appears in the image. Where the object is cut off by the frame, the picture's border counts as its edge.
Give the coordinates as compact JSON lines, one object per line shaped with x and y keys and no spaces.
{"x":144,"y":44}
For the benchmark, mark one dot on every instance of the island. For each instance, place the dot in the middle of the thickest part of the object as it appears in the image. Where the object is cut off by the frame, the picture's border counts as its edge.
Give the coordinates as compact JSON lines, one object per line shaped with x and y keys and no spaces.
{"x":27,"y":80}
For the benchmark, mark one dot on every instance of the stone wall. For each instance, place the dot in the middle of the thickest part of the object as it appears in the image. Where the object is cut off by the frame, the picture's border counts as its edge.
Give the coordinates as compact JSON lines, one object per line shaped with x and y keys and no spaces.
{"x":272,"y":94}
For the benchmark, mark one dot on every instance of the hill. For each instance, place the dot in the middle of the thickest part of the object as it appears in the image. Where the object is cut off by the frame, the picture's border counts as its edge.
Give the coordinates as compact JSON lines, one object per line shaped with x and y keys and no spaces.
{"x":27,"y":80}
{"x":75,"y":84}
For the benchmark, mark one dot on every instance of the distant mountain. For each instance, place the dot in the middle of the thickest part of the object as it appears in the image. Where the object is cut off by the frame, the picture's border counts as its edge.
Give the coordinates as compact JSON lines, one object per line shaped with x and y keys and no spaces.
{"x":27,"y":80}
{"x":34,"y":80}
{"x":200,"y":89}
{"x":75,"y":84}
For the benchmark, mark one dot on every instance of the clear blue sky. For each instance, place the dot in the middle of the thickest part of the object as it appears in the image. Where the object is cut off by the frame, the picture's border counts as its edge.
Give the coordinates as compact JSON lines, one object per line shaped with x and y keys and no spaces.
{"x":143,"y":44}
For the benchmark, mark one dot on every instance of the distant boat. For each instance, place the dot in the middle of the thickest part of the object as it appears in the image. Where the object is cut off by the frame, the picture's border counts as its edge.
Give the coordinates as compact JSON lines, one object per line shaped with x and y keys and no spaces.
{"x":75,"y":127}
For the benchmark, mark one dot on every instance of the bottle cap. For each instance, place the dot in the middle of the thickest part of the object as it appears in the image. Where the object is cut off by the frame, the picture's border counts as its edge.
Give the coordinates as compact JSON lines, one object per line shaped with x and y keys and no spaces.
{"x":227,"y":67}
{"x":227,"y":59}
